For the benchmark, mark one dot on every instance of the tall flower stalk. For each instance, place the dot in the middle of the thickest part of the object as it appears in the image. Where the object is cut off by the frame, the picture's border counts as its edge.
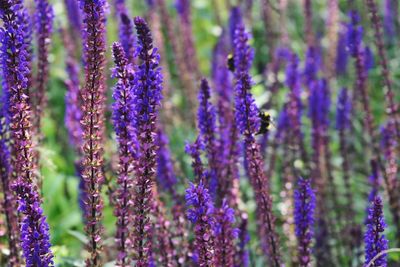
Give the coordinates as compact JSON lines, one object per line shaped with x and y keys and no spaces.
{"x":248,"y":124}
{"x":121,"y":120}
{"x":34,"y":231}
{"x":44,"y":24}
{"x":183,"y":8}
{"x":304,"y":206}
{"x":146,"y":101}
{"x":93,"y":101}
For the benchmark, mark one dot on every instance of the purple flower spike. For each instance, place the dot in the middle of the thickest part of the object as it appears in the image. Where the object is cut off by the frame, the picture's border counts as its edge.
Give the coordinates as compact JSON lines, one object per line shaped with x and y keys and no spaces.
{"x":194,"y":151}
{"x":304,"y":205}
{"x":93,"y":107}
{"x":312,"y":64}
{"x":165,"y":167}
{"x":243,"y":53}
{"x":243,"y":255}
{"x":200,"y":214}
{"x":121,"y":119}
{"x":126,"y":36}
{"x":246,"y":110}
{"x":341,"y":54}
{"x":74,"y":15}
{"x":147,"y":87}
{"x":343,"y":110}
{"x":14,"y":54}
{"x":44,"y":24}
{"x":235,"y":19}
{"x":375,"y":240}
{"x":354,"y":34}
{"x":248,"y":123}
{"x":225,"y":236}
{"x":389,"y":19}
{"x":207,"y":127}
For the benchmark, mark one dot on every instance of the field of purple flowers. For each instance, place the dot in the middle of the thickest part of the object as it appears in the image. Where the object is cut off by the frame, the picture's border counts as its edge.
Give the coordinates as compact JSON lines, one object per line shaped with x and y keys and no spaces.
{"x":199,"y":133}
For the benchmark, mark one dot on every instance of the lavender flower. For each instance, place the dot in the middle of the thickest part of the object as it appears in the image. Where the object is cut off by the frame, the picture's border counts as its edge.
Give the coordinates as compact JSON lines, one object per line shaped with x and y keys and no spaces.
{"x":73,"y":113}
{"x":9,"y":201}
{"x":312,"y":64}
{"x":368,"y":58}
{"x":294,"y":107}
{"x":146,"y":101}
{"x":225,"y":235}
{"x":194,"y":151}
{"x":207,"y":127}
{"x":189,"y":50}
{"x":126,"y":36}
{"x":248,"y":124}
{"x":243,"y":53}
{"x":228,"y":133}
{"x":343,"y":110}
{"x":201,"y":215}
{"x":375,"y":240}
{"x":93,"y":105}
{"x":304,"y":205}
{"x":319,"y":105}
{"x":389,"y":19}
{"x":165,"y":168}
{"x":235,"y":19}
{"x":16,"y":72}
{"x":354,"y":34}
{"x":341,"y":55}
{"x":121,"y":120}
{"x":44,"y":21}
{"x":74,"y":16}
{"x":242,"y":255}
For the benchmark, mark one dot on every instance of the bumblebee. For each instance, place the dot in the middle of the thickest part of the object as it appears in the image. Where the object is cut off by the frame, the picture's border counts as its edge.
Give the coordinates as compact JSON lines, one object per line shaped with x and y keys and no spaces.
{"x":266,"y":122}
{"x":230,"y":62}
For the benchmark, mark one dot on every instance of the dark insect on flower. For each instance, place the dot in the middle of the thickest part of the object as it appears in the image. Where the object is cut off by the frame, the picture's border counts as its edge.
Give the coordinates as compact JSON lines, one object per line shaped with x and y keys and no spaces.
{"x":265,"y":122}
{"x":230,"y":62}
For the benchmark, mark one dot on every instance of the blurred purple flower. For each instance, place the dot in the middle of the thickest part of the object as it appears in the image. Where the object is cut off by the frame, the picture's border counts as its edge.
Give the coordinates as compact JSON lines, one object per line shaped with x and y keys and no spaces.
{"x":341,"y":54}
{"x":343,"y":110}
{"x":354,"y":33}
{"x":304,"y":206}
{"x":165,"y":167}
{"x":389,"y":19}
{"x":44,"y":26}
{"x":368,"y":58}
